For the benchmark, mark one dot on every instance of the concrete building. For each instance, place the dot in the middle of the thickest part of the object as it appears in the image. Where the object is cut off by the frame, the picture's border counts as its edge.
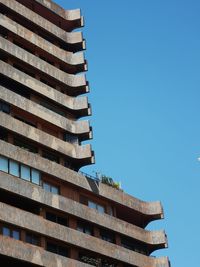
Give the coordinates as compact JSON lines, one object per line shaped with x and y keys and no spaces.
{"x":50,"y":214}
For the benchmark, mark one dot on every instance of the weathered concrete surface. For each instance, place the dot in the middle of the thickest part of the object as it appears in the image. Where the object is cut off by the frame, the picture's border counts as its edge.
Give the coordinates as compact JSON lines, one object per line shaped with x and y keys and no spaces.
{"x":33,"y":38}
{"x":36,"y":193}
{"x":73,"y":103}
{"x":66,"y":14}
{"x":68,"y":37}
{"x":147,"y":208}
{"x":42,"y":138}
{"x":35,"y":255}
{"x":37,"y":224}
{"x":75,"y":127}
{"x":70,"y":80}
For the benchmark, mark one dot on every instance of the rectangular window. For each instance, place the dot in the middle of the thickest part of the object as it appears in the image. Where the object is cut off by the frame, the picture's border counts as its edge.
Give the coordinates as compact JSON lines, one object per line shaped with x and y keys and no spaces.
{"x":25,"y":173}
{"x":60,"y":250}
{"x":14,"y":168}
{"x":11,"y":233}
{"x":107,"y":236}
{"x":32,"y":239}
{"x":35,"y":176}
{"x":6,"y":231}
{"x":4,"y":107}
{"x":84,"y":228}
{"x":51,"y":188}
{"x":57,"y":219}
{"x":16,"y":235}
{"x":96,"y":206}
{"x":3,"y":164}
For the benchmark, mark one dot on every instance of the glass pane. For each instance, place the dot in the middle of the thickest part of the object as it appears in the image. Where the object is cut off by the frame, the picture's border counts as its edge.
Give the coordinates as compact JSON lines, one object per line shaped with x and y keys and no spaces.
{"x":100,"y":209}
{"x":14,"y":168}
{"x":46,"y":187}
{"x":92,"y":205}
{"x":28,"y":238}
{"x":52,"y":247}
{"x":25,"y":173}
{"x":6,"y":231}
{"x":35,"y":176}
{"x":3,"y":164}
{"x":54,"y":190}
{"x":62,"y":251}
{"x":16,"y":235}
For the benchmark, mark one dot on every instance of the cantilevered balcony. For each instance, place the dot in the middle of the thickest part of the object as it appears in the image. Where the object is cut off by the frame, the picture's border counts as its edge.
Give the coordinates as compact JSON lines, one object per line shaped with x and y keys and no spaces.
{"x":69,"y":19}
{"x":38,"y":225}
{"x":73,"y":39}
{"x":148,"y":210}
{"x":26,"y":190}
{"x":40,"y":112}
{"x":46,"y":69}
{"x":78,"y":105}
{"x":73,"y":62}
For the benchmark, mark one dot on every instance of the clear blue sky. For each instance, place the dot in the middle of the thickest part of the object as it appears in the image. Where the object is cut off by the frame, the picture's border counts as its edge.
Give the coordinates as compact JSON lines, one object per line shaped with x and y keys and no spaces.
{"x":144,"y":74}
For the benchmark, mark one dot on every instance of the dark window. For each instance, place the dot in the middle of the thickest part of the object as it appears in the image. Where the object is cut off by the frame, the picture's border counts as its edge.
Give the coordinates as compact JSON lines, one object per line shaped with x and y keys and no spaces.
{"x":85,"y":228}
{"x":25,"y":146}
{"x":32,"y":239}
{"x":4,"y":107}
{"x":57,"y":219}
{"x":57,"y":249}
{"x":3,"y":134}
{"x":25,"y":121}
{"x":50,"y":156}
{"x":51,"y":188}
{"x":133,"y":245}
{"x":71,"y":138}
{"x":107,"y":236}
{"x":52,"y":108}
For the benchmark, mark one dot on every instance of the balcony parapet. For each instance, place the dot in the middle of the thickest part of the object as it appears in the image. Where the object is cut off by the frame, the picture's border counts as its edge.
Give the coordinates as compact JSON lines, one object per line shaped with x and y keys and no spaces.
{"x":47,"y":140}
{"x":75,"y":127}
{"x":32,"y":17}
{"x":153,"y":209}
{"x":154,"y":239}
{"x":32,"y":254}
{"x":39,"y":225}
{"x":64,"y":56}
{"x":70,"y":80}
{"x":78,"y":104}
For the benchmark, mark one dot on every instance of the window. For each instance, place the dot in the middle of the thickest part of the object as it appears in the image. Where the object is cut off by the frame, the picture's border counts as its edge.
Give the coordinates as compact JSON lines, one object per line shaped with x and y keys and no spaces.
{"x":57,"y":219}
{"x":3,"y":164}
{"x":50,"y":156}
{"x":70,"y":138}
{"x":32,"y":239}
{"x":25,"y":145}
{"x":3,"y":135}
{"x":96,"y":206}
{"x":35,"y":176}
{"x":6,"y":231}
{"x":133,"y":245}
{"x":84,"y":228}
{"x":20,"y":170}
{"x":4,"y":107}
{"x":51,"y":188}
{"x":54,"y":248}
{"x":26,"y":173}
{"x":107,"y":236}
{"x":14,"y":168}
